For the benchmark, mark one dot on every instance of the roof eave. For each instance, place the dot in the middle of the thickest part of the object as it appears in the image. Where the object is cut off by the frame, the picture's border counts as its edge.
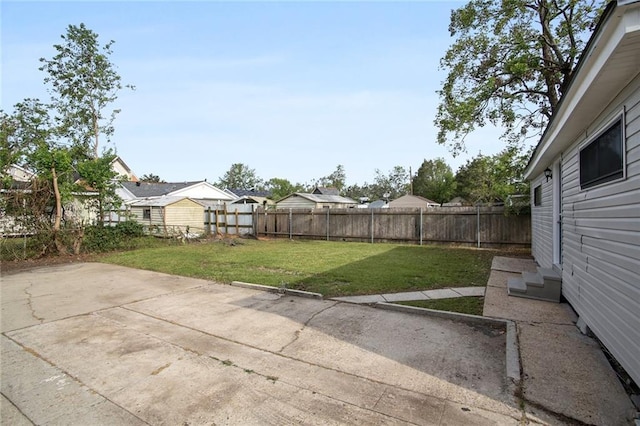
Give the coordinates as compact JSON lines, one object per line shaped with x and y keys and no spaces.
{"x":596,"y":77}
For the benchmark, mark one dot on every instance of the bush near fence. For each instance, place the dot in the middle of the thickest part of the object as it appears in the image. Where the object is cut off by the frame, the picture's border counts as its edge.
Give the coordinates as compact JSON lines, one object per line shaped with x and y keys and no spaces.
{"x":473,"y":226}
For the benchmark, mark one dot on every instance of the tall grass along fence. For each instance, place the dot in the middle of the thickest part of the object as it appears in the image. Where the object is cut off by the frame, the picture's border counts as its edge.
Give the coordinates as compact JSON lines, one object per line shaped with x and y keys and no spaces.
{"x":473,"y":226}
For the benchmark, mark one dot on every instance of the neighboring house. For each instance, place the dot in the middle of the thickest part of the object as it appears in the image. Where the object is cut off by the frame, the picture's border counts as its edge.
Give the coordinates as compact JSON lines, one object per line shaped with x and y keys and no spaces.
{"x":237,"y":193}
{"x":202,"y":191}
{"x":259,"y":201}
{"x":412,"y":201}
{"x":320,"y":190}
{"x":170,"y":215}
{"x":299,"y":200}
{"x":120,"y":167}
{"x":585,"y":187}
{"x":19,"y":174}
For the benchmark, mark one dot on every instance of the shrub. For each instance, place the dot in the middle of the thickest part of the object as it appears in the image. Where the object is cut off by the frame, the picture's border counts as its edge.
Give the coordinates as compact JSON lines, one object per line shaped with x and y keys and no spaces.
{"x":99,"y":239}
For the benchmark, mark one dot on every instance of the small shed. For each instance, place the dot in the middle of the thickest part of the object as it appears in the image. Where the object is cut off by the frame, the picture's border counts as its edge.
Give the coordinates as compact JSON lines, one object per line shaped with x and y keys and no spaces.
{"x":413,"y":201}
{"x":169,"y":215}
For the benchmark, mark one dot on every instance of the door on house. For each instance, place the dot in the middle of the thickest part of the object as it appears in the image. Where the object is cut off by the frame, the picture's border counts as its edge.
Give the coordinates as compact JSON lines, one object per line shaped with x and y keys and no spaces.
{"x":557,"y":214}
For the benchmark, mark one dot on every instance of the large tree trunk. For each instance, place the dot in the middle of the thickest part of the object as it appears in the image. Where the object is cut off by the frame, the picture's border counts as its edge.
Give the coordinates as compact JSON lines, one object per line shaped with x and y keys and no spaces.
{"x":58,"y":217}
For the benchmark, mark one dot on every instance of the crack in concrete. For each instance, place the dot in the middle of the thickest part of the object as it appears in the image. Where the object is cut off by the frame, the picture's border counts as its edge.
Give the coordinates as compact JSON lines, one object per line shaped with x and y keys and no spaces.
{"x":17,"y":408}
{"x":306,"y":323}
{"x":30,"y":304}
{"x":289,"y":357}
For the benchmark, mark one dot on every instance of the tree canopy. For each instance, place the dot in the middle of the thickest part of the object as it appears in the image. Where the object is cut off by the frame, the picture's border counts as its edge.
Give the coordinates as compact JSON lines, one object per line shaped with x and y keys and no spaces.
{"x":337,"y":179}
{"x":280,"y":188}
{"x":434,"y":180}
{"x":487,"y":179}
{"x":59,"y":140}
{"x":509,"y":64}
{"x":240,"y":176}
{"x":83,"y":83}
{"x":151,"y":178}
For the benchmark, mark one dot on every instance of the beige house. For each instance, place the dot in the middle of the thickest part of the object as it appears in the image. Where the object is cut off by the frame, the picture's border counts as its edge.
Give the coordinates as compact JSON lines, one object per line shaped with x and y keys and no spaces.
{"x":169,"y":216}
{"x":412,"y":201}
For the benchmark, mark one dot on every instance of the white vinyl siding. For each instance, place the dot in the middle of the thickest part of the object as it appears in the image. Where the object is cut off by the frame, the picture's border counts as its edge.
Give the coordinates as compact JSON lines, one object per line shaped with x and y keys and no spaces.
{"x":601,"y":242}
{"x":542,"y":222}
{"x":297,"y":202}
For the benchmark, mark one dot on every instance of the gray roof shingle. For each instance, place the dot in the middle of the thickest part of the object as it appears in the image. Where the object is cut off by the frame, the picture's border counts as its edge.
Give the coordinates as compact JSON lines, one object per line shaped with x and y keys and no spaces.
{"x":152,"y":189}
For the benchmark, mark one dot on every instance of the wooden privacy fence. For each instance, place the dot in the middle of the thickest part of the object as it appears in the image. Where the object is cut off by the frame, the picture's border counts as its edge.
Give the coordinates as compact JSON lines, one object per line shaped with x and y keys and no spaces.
{"x":233,"y":219}
{"x":479,"y":226}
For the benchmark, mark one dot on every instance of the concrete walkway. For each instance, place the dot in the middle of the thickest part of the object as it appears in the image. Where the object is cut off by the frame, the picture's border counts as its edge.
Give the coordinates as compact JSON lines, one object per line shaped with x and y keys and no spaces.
{"x":566,"y":379}
{"x":443,"y":293}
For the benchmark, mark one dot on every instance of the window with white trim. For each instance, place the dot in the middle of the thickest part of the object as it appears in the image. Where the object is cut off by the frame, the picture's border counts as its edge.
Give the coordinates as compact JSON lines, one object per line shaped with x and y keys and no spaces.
{"x":537,"y":195}
{"x":602,"y":160}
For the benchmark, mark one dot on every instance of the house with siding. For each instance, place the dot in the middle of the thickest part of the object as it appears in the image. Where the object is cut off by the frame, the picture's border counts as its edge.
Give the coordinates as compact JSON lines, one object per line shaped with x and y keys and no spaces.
{"x":169,"y":216}
{"x":299,"y":200}
{"x":585,"y":190}
{"x":202,"y":191}
{"x":413,"y":201}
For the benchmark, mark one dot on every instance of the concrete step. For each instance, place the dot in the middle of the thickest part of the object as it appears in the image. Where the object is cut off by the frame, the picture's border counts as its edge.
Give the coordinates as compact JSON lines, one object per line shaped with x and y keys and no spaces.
{"x":516,"y":285}
{"x":533,"y":279}
{"x":544,"y":285}
{"x":549,"y":274}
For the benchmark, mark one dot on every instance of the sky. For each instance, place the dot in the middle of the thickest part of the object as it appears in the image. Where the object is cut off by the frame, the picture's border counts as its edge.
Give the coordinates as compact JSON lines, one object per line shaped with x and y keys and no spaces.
{"x":291,"y":89}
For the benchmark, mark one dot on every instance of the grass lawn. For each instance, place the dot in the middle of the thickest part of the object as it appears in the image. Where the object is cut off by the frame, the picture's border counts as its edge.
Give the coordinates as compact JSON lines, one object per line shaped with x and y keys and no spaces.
{"x":463,"y":305}
{"x":329,"y":268}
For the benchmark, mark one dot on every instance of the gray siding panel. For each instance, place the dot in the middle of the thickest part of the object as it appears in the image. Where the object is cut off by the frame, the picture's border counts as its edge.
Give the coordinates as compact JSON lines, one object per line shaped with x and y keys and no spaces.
{"x":601,"y":242}
{"x":542,"y":223}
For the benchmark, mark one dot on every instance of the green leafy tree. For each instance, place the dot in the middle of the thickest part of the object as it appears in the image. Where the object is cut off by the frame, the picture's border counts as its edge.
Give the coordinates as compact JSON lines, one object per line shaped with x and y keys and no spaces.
{"x":240,"y":176}
{"x":488,"y":179}
{"x":280,"y":188}
{"x":60,"y":140}
{"x":435,"y":180}
{"x":358,"y":192}
{"x":151,"y":178}
{"x":11,"y":150}
{"x":83,"y":83}
{"x":98,"y":176}
{"x":474,"y":180}
{"x":392,"y":185}
{"x":52,"y":161}
{"x":336,"y":179}
{"x":509,"y":64}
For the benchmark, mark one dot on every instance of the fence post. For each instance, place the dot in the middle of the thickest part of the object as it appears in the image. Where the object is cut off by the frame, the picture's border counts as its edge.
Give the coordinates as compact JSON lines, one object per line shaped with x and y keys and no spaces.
{"x":420,"y":225}
{"x":209,"y":220}
{"x":254,"y":220}
{"x":371,"y":226}
{"x":328,"y":222}
{"x":237,"y":224}
{"x":290,"y":224}
{"x":478,"y":225}
{"x":226,"y":220}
